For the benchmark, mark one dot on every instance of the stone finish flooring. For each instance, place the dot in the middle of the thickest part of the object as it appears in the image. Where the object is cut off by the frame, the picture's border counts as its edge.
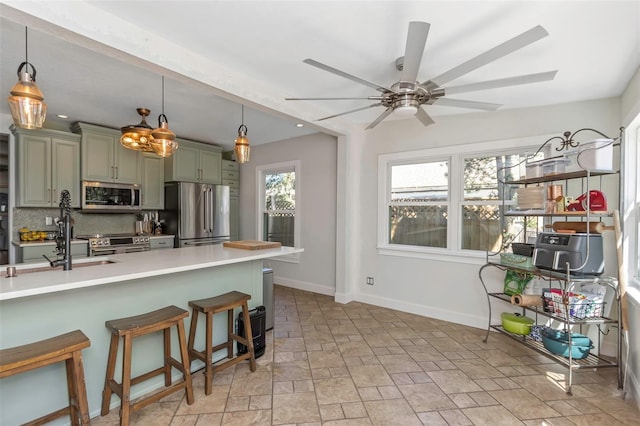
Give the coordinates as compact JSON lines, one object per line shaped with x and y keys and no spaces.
{"x":357,"y":364}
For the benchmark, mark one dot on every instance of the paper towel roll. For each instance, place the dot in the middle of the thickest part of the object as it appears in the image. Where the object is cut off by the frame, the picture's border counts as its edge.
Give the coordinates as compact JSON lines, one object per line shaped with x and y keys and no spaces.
{"x":526,"y":300}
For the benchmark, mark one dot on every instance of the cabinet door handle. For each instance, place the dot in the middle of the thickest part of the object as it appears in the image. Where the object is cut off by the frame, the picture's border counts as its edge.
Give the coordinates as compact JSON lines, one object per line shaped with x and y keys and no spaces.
{"x":49,"y":195}
{"x":113,"y":175}
{"x":116,"y":172}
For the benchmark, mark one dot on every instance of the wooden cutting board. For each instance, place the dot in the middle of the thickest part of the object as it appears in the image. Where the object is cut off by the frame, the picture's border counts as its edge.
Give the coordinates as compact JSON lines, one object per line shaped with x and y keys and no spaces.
{"x":251,"y":244}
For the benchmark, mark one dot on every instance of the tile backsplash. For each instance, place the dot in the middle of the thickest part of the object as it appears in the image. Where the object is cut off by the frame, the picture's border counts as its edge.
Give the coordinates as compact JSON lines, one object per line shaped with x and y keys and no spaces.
{"x":83,"y":223}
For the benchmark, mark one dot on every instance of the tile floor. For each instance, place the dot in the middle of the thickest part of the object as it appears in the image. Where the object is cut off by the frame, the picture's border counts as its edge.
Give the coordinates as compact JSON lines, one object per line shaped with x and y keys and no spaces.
{"x":356,"y":364}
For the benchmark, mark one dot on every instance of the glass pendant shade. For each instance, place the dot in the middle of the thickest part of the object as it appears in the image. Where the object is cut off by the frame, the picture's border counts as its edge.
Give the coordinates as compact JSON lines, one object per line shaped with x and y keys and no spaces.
{"x":138,"y":136}
{"x":163,"y":140}
{"x":26,"y":101}
{"x":242,"y":148}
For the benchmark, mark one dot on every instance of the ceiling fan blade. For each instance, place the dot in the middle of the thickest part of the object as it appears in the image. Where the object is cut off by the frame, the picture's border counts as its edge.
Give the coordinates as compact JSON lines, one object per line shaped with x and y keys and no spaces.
{"x":416,"y":40}
{"x":502,"y":82}
{"x":373,"y":98}
{"x":346,"y":75}
{"x":424,"y":117}
{"x":349,"y":112}
{"x":509,"y":46}
{"x":466,"y":104}
{"x":380,"y":118}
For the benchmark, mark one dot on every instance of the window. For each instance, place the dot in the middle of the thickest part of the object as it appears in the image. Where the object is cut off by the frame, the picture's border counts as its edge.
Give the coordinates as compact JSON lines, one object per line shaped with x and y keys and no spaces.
{"x":483,"y":225}
{"x":419,"y":204}
{"x":278,"y":210}
{"x":447,"y":200}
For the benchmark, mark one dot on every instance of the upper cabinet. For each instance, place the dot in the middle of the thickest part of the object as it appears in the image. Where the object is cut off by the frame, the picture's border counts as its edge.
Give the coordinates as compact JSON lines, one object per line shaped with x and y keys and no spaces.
{"x":103,"y":158}
{"x":152,"y":178}
{"x":48,"y":162}
{"x":194,"y":162}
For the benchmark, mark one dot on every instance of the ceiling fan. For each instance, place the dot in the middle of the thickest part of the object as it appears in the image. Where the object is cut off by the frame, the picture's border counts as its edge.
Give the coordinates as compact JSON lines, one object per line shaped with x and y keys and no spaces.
{"x":406,"y":97}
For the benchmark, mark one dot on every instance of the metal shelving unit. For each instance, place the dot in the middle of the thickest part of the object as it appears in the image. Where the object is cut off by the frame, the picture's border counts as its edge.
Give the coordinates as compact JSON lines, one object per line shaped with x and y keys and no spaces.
{"x":592,"y":360}
{"x":567,"y":281}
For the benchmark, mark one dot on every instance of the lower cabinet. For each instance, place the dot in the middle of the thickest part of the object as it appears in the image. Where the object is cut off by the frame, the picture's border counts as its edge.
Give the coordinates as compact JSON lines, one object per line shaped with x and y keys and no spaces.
{"x":161,"y":242}
{"x":34,"y":253}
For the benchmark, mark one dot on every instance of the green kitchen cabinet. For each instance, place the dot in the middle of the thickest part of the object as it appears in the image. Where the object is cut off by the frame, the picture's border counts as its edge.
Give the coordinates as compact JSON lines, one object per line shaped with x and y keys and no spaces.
{"x":103,"y":158}
{"x":152,"y":178}
{"x":161,"y":241}
{"x":194,"y":162}
{"x":231,"y":178}
{"x":48,"y":162}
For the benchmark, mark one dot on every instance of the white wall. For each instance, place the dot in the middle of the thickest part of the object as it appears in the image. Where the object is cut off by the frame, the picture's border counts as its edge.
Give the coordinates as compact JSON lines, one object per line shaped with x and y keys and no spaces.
{"x":317,"y":154}
{"x":447,"y":290}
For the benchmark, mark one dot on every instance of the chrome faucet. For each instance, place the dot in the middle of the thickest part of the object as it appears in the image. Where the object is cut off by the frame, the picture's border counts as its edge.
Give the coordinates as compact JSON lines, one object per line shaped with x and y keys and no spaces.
{"x":63,"y":239}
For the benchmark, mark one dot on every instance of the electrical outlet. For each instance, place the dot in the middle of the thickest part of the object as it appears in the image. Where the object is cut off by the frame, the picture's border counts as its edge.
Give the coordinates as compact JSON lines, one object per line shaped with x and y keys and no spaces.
{"x":48,"y":221}
{"x":370,"y":280}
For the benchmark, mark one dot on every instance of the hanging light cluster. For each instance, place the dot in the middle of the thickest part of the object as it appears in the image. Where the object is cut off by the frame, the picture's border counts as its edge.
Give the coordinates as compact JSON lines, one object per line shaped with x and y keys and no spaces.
{"x":242,"y":148}
{"x":142,"y":137}
{"x":26,"y":101}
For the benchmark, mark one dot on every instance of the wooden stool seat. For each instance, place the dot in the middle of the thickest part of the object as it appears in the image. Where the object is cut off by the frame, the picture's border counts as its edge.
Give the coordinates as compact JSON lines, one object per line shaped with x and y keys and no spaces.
{"x":65,"y":347}
{"x":211,"y":306}
{"x":130,"y":327}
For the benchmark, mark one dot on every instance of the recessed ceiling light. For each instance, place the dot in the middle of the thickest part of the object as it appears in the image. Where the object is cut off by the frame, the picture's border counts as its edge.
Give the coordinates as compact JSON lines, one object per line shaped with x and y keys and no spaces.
{"x":299,"y":125}
{"x":62,"y":116}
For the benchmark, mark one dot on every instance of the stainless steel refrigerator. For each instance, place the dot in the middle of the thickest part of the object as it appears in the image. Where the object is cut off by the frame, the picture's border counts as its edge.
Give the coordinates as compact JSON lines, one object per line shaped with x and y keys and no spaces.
{"x":196,"y":213}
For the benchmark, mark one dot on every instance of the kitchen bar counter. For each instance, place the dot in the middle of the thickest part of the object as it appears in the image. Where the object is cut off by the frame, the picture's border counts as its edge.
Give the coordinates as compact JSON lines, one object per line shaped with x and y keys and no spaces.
{"x":38,"y":305}
{"x":125,"y":267}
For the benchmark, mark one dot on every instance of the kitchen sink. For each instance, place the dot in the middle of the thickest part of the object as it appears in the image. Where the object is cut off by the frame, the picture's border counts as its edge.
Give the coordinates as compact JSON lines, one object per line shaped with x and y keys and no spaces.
{"x":42,"y":267}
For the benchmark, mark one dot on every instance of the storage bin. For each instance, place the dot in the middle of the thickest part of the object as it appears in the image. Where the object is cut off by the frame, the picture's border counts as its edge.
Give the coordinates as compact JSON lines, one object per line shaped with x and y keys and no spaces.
{"x":595,"y":156}
{"x":554,"y":166}
{"x":533,"y":169}
{"x":516,"y":324}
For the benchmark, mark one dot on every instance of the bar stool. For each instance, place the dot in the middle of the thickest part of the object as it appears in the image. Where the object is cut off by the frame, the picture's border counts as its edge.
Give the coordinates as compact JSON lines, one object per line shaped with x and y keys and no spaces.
{"x":136,"y":326}
{"x":65,"y":347}
{"x":211,"y":306}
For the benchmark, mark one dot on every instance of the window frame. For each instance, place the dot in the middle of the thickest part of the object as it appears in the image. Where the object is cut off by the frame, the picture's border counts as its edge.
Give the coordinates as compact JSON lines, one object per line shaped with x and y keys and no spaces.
{"x":261,"y":172}
{"x":455,"y":155}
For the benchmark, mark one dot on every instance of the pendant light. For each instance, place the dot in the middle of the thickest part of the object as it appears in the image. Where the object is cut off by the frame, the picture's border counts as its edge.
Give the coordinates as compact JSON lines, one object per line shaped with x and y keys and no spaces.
{"x":138,"y":136}
{"x":163,"y":140}
{"x":26,"y":101}
{"x":242,"y":148}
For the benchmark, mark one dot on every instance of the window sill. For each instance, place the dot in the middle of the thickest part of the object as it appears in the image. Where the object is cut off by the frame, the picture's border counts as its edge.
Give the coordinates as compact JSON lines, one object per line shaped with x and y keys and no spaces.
{"x":470,"y":257}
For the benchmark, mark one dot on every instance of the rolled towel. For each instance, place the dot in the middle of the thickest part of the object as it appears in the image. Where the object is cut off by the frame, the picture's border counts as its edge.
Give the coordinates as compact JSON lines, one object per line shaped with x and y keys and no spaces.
{"x":526,"y":300}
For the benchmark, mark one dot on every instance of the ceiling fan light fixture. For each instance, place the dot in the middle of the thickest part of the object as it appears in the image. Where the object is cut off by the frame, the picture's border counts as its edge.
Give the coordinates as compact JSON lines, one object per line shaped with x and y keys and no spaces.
{"x":26,"y":102}
{"x":242,"y":148}
{"x":138,"y":136}
{"x":405,"y":107}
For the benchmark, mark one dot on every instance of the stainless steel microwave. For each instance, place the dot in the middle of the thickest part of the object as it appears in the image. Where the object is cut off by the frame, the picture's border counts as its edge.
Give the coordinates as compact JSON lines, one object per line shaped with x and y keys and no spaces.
{"x":111,"y":197}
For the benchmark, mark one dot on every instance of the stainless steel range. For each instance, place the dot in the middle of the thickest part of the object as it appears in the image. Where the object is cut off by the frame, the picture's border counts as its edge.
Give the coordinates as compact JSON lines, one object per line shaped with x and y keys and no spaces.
{"x":102,"y":245}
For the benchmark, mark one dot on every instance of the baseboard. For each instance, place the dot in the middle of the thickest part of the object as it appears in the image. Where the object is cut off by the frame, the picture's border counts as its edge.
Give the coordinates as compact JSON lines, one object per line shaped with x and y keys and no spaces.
{"x":303,"y":285}
{"x":344,"y":297}
{"x":427,"y":311}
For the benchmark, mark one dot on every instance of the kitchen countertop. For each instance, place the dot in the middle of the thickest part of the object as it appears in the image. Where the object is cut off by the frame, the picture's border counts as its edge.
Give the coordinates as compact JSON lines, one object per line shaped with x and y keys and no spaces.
{"x":126,"y":267}
{"x":44,"y":243}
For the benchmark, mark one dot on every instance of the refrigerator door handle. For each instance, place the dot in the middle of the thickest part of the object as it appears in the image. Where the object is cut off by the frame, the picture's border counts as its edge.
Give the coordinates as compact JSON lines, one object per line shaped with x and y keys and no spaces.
{"x":210,"y":213}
